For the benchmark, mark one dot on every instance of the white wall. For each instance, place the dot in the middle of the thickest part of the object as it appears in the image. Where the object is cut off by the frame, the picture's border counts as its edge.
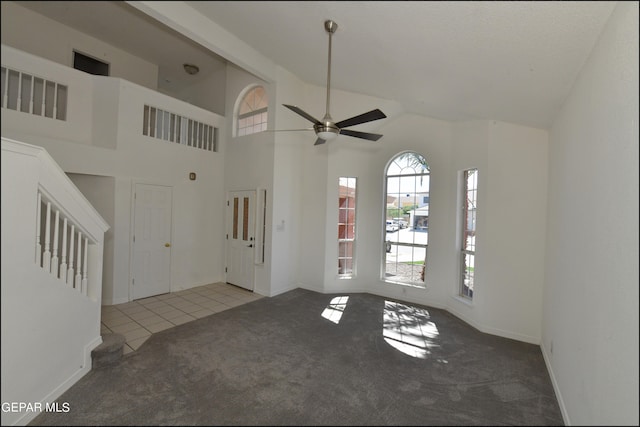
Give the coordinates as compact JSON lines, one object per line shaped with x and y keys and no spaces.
{"x":590,"y":316}
{"x":512,"y":167}
{"x":288,"y":192}
{"x":100,"y":192}
{"x":512,"y":245}
{"x":367,"y":160}
{"x":248,"y":164}
{"x":48,"y":329}
{"x":207,"y":92}
{"x":590,"y":300}
{"x":78,"y":126}
{"x":512,"y":161}
{"x":187,"y":21}
{"x":57,"y":42}
{"x":109,"y":143}
{"x":470,"y":149}
{"x":197,"y":211}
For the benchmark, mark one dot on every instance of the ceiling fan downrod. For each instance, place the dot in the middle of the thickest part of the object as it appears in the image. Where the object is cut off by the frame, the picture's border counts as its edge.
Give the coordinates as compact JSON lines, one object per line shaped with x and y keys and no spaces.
{"x":327,"y":129}
{"x":330,"y":28}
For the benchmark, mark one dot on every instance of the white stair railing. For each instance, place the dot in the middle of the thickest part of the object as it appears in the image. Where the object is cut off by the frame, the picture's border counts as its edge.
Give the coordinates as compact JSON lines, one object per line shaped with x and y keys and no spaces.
{"x":68,"y":231}
{"x":72,"y":270}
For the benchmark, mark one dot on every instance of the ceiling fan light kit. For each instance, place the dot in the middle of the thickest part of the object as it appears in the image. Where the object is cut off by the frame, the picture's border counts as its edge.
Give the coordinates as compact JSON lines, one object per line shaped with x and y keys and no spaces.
{"x":326,"y":129}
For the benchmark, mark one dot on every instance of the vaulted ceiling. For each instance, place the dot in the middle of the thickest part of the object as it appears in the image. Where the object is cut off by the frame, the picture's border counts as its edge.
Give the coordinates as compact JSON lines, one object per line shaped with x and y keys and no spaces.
{"x":510,"y":61}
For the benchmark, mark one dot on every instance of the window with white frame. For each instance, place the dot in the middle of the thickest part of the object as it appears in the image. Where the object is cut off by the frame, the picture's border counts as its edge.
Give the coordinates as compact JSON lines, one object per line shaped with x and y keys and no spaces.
{"x":406,"y":220}
{"x":252,"y":112}
{"x":346,"y":226}
{"x":468,"y":231}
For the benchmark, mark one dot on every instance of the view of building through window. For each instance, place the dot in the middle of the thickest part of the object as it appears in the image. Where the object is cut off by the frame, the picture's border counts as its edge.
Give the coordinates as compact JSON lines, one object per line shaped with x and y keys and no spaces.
{"x":468,"y":223}
{"x":406,"y":219}
{"x":346,"y":226}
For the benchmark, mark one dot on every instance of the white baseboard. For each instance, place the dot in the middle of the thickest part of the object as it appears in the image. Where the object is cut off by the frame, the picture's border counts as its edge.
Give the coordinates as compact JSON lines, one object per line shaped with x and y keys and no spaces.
{"x":556,"y":389}
{"x":66,"y":384}
{"x":115,"y":301}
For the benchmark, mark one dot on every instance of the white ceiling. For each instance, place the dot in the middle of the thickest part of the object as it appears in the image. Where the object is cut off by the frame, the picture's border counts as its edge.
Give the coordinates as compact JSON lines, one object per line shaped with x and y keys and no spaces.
{"x":125,"y":27}
{"x":513,"y":61}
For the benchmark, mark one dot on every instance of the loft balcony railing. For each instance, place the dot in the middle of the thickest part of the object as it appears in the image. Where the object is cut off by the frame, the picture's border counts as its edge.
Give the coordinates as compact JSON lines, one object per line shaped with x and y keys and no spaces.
{"x":95,"y":110}
{"x":31,"y":94}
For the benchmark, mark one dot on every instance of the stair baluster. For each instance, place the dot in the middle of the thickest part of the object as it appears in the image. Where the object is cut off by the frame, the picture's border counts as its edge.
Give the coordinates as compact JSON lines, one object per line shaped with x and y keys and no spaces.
{"x":70,"y":270}
{"x":84,"y":268}
{"x":78,"y":278}
{"x":54,"y":258}
{"x":38,"y":224}
{"x":46,"y":256}
{"x":63,"y":261}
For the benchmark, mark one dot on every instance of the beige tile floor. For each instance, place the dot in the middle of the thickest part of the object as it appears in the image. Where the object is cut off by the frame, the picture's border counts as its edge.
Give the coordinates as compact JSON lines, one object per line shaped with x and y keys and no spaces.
{"x":138,"y":320}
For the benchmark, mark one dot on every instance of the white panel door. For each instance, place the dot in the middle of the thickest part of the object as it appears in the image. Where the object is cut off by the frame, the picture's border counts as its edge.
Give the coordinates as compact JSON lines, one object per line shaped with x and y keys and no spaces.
{"x":241,"y":238}
{"x":151,"y":241}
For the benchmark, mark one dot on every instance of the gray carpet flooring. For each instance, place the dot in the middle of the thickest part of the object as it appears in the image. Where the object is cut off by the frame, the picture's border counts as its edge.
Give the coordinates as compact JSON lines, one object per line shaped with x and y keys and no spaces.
{"x":304,"y":358}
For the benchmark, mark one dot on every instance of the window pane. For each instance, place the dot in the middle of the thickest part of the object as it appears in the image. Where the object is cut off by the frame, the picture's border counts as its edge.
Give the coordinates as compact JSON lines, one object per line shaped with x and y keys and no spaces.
{"x":406,"y":219}
{"x":245,"y":219}
{"x":345,"y":267}
{"x":235,"y":217}
{"x":467,"y":275}
{"x":346,"y":225}
{"x":468,"y":225}
{"x":252,"y":114}
{"x":260,"y":99}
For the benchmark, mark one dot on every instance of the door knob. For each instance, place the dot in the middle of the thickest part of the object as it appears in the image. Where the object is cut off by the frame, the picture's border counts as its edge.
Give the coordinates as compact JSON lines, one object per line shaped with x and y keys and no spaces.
{"x":166,"y":245}
{"x":250,"y":246}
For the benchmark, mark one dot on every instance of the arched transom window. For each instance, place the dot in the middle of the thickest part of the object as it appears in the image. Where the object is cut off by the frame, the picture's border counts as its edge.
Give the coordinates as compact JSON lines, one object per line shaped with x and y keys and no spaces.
{"x":252,"y":112}
{"x":406,"y":219}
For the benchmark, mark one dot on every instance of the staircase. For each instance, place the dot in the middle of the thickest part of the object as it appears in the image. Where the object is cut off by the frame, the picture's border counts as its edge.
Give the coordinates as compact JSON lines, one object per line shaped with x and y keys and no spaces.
{"x":109,"y":352}
{"x":52,"y":255}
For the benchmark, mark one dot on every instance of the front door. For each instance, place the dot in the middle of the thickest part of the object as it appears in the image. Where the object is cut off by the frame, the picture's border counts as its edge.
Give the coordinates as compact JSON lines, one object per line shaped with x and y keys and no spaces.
{"x":240,"y":238}
{"x":151,"y":240}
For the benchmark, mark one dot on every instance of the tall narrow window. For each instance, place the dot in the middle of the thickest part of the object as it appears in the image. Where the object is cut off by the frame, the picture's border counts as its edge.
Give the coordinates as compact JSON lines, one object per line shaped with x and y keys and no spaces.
{"x":346,"y":226}
{"x":252,"y":112}
{"x":406,"y":220}
{"x":468,"y":232}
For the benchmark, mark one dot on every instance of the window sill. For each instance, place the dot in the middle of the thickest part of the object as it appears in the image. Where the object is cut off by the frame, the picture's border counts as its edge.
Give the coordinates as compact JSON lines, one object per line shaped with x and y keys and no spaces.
{"x":408,"y":285}
{"x":465,"y":301}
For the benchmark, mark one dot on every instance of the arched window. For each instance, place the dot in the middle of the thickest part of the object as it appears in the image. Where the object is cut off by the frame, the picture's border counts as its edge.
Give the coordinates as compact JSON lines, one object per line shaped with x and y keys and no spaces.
{"x":252,"y":112}
{"x":406,"y":219}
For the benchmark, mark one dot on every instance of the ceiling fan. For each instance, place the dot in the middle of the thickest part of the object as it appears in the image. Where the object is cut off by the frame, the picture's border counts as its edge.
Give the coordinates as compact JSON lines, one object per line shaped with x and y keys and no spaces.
{"x":326,"y":129}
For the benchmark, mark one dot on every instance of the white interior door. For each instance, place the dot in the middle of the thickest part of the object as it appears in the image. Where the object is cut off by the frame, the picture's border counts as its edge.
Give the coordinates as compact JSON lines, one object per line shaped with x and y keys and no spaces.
{"x":241,"y":238}
{"x":151,"y":241}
